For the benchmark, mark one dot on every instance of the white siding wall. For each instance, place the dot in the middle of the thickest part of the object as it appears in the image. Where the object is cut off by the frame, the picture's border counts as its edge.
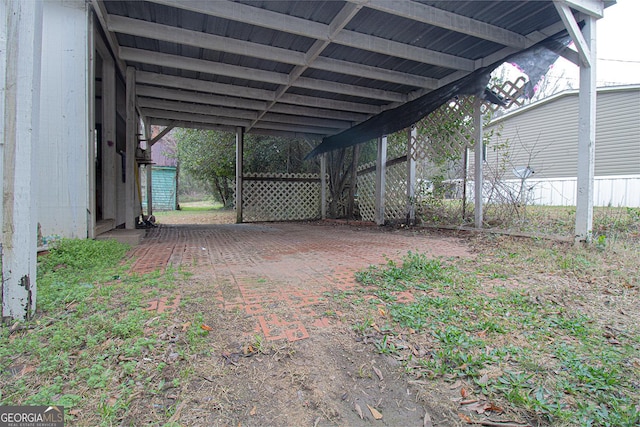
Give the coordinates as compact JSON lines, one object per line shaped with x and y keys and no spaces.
{"x":64,"y":110}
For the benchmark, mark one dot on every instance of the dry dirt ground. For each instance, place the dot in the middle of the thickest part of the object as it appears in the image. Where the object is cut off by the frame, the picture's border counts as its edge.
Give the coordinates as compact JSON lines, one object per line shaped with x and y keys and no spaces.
{"x":277,"y":347}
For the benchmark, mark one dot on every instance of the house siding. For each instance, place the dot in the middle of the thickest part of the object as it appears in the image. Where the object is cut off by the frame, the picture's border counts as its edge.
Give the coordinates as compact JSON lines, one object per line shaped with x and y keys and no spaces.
{"x":163,"y":181}
{"x":544,"y":136}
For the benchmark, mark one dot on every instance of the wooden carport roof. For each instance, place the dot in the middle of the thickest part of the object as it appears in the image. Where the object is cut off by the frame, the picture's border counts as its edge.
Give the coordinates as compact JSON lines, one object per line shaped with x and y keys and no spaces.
{"x":313,"y":68}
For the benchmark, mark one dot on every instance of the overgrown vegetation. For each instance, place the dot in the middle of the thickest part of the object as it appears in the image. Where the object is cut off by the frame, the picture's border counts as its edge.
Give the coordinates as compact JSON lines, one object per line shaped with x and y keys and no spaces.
{"x":523,"y":326}
{"x":91,"y":346}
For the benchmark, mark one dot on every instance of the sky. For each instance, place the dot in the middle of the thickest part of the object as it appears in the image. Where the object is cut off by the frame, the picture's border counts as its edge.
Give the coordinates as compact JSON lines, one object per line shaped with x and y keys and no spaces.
{"x":618,"y":48}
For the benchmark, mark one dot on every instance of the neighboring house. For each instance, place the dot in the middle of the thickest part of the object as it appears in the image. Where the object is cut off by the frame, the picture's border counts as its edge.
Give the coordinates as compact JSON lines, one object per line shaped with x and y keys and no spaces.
{"x":544,"y":136}
{"x":164,"y":185}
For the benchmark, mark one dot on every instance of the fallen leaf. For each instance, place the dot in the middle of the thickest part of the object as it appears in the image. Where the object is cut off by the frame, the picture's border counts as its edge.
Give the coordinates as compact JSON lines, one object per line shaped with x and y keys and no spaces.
{"x":378,"y":373}
{"x":493,"y":408}
{"x":253,"y":410}
{"x":377,"y":415}
{"x":74,"y":412}
{"x":185,"y":326}
{"x":465,"y":418}
{"x":455,"y":385}
{"x":382,"y":312}
{"x":484,"y":380}
{"x":426,"y":422}
{"x":206,"y":327}
{"x":464,"y":393}
{"x":359,"y":411}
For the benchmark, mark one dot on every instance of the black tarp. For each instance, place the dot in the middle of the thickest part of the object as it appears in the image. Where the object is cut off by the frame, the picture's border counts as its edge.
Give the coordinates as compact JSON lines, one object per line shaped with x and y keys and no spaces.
{"x":534,"y":62}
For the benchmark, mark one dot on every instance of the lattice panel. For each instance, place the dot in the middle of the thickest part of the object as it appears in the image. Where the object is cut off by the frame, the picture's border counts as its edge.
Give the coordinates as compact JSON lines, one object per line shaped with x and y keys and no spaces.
{"x":395,"y":203}
{"x":513,"y":93}
{"x":395,"y":192}
{"x":280,"y":197}
{"x":449,"y":129}
{"x":367,"y":193}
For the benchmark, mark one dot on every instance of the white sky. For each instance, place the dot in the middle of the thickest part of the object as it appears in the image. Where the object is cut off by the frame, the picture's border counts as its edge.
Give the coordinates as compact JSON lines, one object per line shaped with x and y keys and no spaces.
{"x":618,"y":48}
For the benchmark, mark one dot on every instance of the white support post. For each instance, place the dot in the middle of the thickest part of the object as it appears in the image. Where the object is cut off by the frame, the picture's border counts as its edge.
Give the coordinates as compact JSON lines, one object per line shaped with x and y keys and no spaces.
{"x":22,"y":30}
{"x":586,"y":135}
{"x":411,"y":178}
{"x":478,"y":179}
{"x":323,"y":186}
{"x":132,"y":142}
{"x":381,"y":178}
{"x":239,"y":167}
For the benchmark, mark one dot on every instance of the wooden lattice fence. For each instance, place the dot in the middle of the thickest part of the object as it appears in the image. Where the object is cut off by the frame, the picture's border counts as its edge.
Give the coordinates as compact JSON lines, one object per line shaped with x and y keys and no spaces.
{"x":395,"y":192}
{"x":280,"y":197}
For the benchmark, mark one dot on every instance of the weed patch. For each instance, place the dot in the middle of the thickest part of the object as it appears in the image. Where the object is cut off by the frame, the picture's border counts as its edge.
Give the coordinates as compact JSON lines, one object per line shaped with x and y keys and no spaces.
{"x":91,"y":345}
{"x":549,"y":360}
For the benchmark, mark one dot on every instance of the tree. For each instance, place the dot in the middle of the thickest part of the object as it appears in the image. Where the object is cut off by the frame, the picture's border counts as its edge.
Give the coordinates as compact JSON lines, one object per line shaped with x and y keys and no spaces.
{"x":209,"y":156}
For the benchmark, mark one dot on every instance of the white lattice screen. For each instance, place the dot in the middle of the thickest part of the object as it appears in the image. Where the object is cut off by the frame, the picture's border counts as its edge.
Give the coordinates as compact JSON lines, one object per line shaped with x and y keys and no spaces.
{"x":367,"y":192}
{"x":280,"y":197}
{"x":395,"y":192}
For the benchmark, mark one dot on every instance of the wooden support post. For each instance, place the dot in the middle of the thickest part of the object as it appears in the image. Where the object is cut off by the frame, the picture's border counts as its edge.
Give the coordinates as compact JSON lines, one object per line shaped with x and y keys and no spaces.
{"x":239,"y":168}
{"x":323,"y":186}
{"x":478,"y":179}
{"x":411,"y":179}
{"x":132,"y":143}
{"x":381,"y":177}
{"x":109,"y":154}
{"x":20,"y":124}
{"x":147,"y":168}
{"x":586,"y":136}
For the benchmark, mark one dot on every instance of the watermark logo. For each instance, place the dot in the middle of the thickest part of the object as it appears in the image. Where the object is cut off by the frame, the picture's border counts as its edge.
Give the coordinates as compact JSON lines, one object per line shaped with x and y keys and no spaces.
{"x":31,"y":416}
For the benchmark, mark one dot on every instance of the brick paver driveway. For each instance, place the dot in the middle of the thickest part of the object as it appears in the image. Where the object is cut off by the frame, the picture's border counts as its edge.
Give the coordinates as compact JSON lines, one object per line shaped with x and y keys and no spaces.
{"x":278,"y":273}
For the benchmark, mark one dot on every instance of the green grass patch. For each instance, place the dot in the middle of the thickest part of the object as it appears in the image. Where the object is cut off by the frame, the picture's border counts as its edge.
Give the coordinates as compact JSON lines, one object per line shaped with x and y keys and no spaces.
{"x":552,"y":361}
{"x":86,"y":346}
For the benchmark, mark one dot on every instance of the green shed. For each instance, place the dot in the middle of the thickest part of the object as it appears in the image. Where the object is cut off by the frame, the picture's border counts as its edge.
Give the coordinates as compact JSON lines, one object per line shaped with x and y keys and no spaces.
{"x":163,"y":188}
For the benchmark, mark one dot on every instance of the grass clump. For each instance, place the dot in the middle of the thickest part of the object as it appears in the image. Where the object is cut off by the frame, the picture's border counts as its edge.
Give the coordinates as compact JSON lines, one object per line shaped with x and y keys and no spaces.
{"x":535,"y":347}
{"x":89,"y":344}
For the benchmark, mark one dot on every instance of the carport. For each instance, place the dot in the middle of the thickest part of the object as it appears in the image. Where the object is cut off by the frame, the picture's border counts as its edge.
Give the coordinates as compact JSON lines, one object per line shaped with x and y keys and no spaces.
{"x":336,"y":73}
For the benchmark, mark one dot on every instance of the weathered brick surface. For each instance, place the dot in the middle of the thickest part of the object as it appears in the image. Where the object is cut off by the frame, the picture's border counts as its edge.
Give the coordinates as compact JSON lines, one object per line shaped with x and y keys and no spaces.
{"x":278,"y":273}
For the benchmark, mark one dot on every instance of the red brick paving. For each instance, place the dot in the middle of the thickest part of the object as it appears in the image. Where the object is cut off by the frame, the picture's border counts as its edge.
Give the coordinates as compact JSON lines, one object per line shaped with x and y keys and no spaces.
{"x":277,"y":273}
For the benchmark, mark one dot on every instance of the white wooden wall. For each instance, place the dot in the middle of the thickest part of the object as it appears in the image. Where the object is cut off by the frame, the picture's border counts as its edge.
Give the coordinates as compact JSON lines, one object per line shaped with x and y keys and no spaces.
{"x":63,"y":155}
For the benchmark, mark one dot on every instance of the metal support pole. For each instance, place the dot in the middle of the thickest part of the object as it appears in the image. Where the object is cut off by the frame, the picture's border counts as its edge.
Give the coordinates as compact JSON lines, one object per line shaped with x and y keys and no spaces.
{"x":381,"y":177}
{"x":478,"y":179}
{"x":239,"y":167}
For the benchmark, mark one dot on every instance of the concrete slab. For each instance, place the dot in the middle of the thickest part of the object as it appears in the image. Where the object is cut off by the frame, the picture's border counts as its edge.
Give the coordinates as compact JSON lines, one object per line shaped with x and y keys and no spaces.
{"x":129,"y":237}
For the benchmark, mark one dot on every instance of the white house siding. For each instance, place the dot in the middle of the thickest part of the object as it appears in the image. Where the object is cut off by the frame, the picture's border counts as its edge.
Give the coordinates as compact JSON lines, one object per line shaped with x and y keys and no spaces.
{"x":544,"y":136}
{"x":64,"y":111}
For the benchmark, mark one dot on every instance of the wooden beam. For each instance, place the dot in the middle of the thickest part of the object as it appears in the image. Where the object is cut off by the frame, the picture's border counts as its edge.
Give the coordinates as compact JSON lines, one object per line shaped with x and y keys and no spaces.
{"x":185,"y":107}
{"x":303,"y":27}
{"x":162,"y":133}
{"x":200,"y":65}
{"x":450,"y":21}
{"x":130,"y":152}
{"x":199,"y":98}
{"x":593,"y":8}
{"x":574,"y":30}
